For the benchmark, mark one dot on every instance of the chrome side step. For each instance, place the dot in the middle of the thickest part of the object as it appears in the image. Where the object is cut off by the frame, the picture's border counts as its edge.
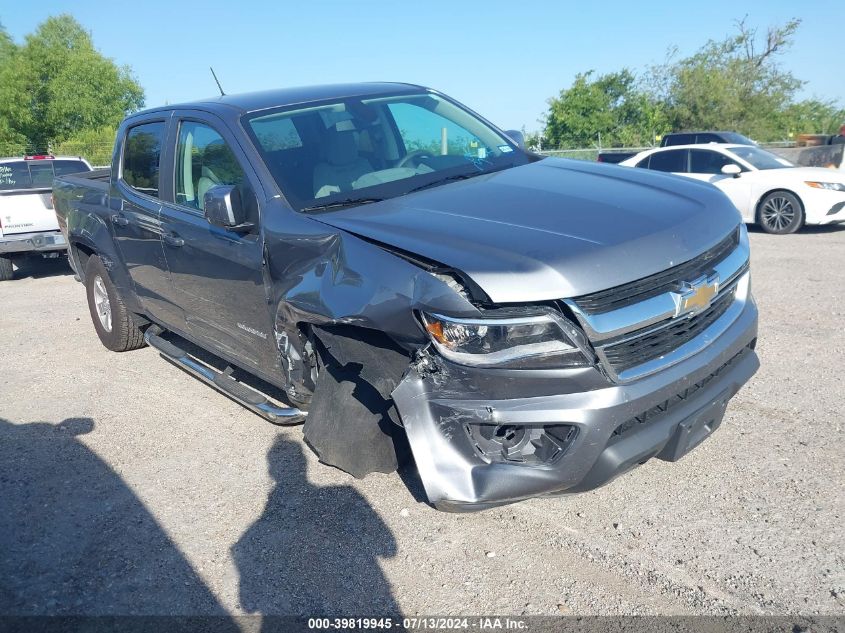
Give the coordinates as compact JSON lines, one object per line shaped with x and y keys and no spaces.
{"x":224,"y":383}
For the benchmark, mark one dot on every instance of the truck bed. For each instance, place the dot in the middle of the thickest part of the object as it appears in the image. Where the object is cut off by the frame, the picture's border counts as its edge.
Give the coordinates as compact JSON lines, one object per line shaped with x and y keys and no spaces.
{"x":96,"y":179}
{"x":91,"y":187}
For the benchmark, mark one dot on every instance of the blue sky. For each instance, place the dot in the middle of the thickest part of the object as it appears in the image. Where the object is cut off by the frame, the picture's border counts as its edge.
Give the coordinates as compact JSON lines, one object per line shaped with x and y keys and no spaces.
{"x":503,"y":59}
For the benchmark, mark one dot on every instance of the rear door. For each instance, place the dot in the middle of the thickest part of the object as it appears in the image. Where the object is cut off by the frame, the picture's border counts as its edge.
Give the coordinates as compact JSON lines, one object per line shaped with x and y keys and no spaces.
{"x":218,"y":274}
{"x":671,"y":160}
{"x":678,"y":139}
{"x":25,"y":195}
{"x":703,"y":139}
{"x":135,"y":216}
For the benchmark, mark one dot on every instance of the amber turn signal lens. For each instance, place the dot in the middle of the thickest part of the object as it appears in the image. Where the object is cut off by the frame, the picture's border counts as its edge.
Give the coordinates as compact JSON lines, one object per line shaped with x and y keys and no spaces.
{"x":435,"y":328}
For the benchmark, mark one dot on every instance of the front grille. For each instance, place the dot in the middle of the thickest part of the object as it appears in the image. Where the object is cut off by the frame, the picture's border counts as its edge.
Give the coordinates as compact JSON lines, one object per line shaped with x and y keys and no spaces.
{"x":666,"y":281}
{"x":656,"y":412}
{"x":664,"y":339}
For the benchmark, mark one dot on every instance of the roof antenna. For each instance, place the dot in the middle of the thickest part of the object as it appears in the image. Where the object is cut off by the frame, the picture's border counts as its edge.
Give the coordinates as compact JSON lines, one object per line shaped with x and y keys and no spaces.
{"x":213,"y":74}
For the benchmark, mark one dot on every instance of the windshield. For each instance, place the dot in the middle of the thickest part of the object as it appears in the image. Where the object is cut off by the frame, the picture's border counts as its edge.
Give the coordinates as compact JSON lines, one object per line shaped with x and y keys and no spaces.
{"x":363,"y":149}
{"x":36,"y":174}
{"x":735,"y":137}
{"x":760,"y":158}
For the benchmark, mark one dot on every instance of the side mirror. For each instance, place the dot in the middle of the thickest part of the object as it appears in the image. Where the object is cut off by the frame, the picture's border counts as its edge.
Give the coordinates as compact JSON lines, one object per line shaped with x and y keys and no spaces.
{"x":517,"y":137}
{"x":223,"y":207}
{"x":731,"y":169}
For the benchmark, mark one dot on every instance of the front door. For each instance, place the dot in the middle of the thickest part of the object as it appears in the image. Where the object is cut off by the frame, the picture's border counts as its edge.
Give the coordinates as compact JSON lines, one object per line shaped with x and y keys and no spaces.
{"x":217,"y":273}
{"x":706,"y":165}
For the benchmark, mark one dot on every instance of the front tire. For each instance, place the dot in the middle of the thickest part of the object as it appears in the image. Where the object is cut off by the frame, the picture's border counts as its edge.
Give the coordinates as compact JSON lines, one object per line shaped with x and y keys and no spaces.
{"x":6,"y":270}
{"x":114,"y":324}
{"x":780,"y":213}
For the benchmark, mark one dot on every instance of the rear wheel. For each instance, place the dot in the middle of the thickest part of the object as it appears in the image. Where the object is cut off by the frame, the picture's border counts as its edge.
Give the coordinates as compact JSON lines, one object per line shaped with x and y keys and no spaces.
{"x":780,"y":213}
{"x":6,"y":270}
{"x":114,"y":324}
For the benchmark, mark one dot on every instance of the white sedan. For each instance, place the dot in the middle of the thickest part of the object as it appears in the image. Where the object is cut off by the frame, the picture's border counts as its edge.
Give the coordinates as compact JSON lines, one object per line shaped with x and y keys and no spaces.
{"x":766,"y":189}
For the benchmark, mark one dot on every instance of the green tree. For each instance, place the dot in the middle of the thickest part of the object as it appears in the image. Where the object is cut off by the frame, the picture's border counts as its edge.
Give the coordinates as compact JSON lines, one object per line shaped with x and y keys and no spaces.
{"x":7,"y":45}
{"x":610,"y":109}
{"x":57,"y":85}
{"x":733,"y":84}
{"x":10,"y":140}
{"x":811,"y":117}
{"x":95,"y":144}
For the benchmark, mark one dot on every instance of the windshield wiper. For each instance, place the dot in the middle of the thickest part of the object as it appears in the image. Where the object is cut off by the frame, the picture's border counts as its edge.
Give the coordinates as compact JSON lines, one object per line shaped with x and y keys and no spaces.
{"x":441,"y":181}
{"x":339,"y":204}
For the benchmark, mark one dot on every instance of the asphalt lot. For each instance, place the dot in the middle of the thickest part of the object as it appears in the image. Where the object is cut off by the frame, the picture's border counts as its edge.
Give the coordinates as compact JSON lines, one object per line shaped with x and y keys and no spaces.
{"x":129,"y":487}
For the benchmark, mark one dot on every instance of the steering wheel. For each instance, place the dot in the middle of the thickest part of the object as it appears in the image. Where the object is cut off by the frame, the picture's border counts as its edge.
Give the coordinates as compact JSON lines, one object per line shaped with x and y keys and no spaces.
{"x":413,"y":156}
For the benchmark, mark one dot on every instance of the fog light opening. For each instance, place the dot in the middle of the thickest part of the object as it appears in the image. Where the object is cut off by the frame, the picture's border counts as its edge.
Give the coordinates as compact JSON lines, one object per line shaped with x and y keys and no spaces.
{"x":521,"y":444}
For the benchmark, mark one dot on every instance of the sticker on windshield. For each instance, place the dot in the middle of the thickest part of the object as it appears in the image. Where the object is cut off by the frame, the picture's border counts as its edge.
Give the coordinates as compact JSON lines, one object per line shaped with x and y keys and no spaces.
{"x":482,"y":152}
{"x":505,"y":149}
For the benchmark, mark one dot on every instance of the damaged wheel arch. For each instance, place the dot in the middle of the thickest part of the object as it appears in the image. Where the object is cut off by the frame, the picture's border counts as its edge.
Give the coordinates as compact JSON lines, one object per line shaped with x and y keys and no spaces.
{"x":352,"y":422}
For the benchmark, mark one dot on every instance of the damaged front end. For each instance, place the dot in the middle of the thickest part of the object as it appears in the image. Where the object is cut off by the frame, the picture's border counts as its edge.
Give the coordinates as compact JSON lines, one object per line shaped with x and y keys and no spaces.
{"x":483,"y":437}
{"x":498,"y":403}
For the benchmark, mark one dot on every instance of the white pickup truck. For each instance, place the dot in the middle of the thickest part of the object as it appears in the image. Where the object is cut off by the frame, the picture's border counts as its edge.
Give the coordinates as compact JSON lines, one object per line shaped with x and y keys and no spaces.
{"x":28,"y":223}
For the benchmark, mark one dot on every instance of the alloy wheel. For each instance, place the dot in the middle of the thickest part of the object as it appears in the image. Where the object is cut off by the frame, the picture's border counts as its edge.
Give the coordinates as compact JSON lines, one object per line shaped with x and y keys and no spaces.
{"x":102,"y":303}
{"x":778,"y":213}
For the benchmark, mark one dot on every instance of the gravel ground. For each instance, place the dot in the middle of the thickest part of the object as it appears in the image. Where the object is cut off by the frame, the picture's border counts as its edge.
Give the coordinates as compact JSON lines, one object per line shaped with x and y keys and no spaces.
{"x":129,"y":487}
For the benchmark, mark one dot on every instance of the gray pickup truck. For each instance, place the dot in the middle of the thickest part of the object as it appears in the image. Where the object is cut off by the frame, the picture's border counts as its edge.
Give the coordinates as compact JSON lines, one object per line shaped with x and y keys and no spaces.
{"x":406,"y":278}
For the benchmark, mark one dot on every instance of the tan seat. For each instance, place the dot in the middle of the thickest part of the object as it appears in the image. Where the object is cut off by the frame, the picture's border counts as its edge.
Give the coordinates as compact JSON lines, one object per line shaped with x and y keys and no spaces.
{"x":208,"y":179}
{"x":342,"y":167}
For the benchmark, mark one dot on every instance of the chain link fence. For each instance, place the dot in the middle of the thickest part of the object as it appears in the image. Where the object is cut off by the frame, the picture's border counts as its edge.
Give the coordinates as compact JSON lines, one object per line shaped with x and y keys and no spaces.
{"x":96,"y":153}
{"x":588,"y":153}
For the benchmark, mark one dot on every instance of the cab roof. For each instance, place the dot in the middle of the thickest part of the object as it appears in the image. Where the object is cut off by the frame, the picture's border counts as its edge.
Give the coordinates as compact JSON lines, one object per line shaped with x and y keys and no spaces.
{"x":255,"y":101}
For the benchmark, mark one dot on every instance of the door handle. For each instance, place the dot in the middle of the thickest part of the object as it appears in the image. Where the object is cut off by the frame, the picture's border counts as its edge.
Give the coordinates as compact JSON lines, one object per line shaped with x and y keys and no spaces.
{"x":173,"y":240}
{"x":119,"y":220}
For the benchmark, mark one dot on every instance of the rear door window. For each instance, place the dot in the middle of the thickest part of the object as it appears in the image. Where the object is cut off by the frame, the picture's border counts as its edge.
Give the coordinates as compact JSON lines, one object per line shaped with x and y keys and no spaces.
{"x":707,"y":138}
{"x":679,"y":139}
{"x":675,"y":160}
{"x":142,"y":157}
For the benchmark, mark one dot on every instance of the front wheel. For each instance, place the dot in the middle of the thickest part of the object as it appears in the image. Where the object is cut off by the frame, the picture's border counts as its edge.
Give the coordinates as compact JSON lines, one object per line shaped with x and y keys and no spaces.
{"x":780,"y":213}
{"x":6,"y":270}
{"x":114,"y":324}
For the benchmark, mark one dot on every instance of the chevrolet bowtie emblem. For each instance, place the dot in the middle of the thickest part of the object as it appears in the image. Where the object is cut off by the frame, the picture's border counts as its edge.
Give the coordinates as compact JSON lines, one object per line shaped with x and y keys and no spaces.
{"x":696,"y":295}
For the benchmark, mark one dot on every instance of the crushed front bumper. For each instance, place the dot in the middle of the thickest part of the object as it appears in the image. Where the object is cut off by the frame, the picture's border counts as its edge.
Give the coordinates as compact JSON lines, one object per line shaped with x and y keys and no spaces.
{"x":40,"y":242}
{"x":618,"y":426}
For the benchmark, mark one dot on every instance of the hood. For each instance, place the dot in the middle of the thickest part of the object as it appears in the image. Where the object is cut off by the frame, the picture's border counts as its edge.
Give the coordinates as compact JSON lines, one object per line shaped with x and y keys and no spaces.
{"x":819,"y":174}
{"x":552,"y":229}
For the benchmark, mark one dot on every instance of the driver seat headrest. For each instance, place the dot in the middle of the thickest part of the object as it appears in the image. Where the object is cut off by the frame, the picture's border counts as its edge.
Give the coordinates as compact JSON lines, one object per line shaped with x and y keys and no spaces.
{"x":341,"y":148}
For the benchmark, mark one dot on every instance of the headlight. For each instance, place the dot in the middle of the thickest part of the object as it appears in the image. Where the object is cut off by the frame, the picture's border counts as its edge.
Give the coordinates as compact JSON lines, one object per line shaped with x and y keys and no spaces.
{"x":538,"y":338}
{"x":830,"y":186}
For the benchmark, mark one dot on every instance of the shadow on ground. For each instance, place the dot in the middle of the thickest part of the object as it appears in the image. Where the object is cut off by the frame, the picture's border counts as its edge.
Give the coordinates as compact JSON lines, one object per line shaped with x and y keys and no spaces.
{"x":314,"y":550}
{"x":39,"y":267}
{"x":75,"y":540}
